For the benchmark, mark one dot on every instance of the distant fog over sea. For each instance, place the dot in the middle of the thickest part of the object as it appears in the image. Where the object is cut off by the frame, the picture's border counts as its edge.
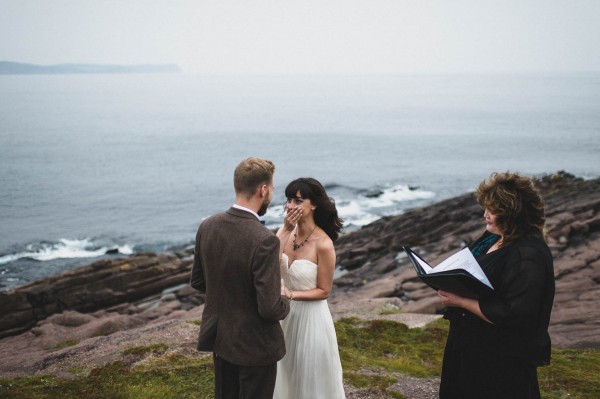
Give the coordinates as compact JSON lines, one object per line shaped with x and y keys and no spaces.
{"x":19,"y":68}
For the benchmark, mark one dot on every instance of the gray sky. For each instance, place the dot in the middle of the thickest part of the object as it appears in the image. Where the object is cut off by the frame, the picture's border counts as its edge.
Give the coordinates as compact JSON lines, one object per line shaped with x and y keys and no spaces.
{"x":307,"y":36}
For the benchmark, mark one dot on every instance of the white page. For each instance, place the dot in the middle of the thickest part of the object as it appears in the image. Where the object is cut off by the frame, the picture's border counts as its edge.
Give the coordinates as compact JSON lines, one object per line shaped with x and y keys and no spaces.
{"x":426,"y":268}
{"x":463,"y":260}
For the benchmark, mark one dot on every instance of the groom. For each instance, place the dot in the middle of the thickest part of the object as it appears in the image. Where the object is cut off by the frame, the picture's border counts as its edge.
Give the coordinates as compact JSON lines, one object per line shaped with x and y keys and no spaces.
{"x":236,"y":263}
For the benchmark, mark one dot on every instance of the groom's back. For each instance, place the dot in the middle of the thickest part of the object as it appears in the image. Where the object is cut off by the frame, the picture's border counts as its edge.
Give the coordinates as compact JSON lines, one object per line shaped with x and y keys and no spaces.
{"x":239,"y":323}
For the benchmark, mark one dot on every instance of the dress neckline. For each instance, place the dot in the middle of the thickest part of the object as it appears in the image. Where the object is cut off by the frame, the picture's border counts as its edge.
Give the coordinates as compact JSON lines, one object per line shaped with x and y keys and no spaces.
{"x":289,"y":265}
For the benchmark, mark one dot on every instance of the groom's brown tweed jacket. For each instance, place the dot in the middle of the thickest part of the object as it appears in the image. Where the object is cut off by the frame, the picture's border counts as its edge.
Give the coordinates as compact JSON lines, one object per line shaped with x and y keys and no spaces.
{"x":236,"y":263}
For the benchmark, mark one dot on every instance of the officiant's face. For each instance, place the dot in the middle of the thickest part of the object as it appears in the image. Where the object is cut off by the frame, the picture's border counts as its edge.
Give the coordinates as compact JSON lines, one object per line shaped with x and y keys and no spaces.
{"x":491,"y":223}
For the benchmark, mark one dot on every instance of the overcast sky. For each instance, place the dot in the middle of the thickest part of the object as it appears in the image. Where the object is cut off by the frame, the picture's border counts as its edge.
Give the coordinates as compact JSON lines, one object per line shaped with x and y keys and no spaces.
{"x":307,"y":36}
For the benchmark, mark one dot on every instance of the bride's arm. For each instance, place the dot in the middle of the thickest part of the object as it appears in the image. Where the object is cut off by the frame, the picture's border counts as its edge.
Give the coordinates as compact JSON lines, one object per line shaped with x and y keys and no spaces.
{"x":326,"y":261}
{"x":289,"y":224}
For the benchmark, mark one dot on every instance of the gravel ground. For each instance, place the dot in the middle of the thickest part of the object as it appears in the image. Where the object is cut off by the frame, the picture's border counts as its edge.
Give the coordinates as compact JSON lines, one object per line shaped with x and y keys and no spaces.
{"x":411,"y":388}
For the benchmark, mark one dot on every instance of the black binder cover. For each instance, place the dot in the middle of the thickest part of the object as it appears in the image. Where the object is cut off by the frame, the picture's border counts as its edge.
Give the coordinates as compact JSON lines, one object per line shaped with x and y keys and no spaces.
{"x":457,"y":281}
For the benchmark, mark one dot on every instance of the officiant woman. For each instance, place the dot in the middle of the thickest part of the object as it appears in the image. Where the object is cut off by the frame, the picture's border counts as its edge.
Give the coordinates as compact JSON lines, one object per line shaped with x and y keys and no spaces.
{"x":495,"y":344}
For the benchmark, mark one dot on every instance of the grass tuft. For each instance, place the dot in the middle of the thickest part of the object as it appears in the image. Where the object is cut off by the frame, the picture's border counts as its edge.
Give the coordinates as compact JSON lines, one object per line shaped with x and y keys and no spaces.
{"x":156,"y":349}
{"x":573,"y":374}
{"x":391,"y":346}
{"x":66,"y":344}
{"x":163,"y":380}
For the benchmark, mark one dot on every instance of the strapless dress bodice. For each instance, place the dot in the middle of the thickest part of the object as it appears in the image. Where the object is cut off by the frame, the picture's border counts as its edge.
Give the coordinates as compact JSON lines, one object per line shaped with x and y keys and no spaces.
{"x":300,"y":275}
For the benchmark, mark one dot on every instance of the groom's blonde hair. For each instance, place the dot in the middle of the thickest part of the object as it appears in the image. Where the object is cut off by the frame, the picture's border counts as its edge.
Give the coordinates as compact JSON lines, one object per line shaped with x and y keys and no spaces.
{"x":252,"y":173}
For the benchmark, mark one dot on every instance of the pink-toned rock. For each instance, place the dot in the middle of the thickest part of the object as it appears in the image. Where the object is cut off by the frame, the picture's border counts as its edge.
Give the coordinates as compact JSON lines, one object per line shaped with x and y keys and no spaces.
{"x":561,"y":297}
{"x":569,"y":266}
{"x":69,"y":318}
{"x":577,"y":313}
{"x":101,"y":285}
{"x":574,"y":285}
{"x":111,"y":305}
{"x":430,"y":305}
{"x":413,"y":285}
{"x":380,"y":288}
{"x":593,"y":296}
{"x":418,"y":294}
{"x":436,"y":231}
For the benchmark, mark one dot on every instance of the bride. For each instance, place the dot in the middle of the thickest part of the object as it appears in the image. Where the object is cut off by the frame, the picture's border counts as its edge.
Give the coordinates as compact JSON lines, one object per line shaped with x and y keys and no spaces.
{"x":311,"y":367}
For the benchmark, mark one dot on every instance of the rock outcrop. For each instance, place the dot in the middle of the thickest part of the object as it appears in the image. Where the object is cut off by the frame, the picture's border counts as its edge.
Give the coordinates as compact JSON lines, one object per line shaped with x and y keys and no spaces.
{"x":127,"y":293}
{"x":101,"y":285}
{"x":377,"y":267}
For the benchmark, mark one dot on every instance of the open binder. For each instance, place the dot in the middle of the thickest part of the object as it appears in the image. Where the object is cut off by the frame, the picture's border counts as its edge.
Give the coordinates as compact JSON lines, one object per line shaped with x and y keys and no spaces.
{"x":459,"y":274}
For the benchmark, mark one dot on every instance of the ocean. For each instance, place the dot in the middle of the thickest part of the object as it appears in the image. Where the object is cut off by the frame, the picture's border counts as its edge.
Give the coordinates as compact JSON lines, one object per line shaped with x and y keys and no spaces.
{"x":90,"y":163}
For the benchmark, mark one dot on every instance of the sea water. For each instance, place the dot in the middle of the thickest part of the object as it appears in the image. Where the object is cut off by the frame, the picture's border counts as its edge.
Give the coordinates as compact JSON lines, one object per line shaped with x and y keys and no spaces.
{"x":90,"y":163}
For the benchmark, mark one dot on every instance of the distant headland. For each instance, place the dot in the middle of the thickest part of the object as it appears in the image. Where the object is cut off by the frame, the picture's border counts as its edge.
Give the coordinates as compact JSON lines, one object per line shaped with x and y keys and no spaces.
{"x":18,"y":68}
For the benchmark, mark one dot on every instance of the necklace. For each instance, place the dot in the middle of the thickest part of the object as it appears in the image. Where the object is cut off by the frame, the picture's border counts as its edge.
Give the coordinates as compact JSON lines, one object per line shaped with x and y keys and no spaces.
{"x":296,"y":246}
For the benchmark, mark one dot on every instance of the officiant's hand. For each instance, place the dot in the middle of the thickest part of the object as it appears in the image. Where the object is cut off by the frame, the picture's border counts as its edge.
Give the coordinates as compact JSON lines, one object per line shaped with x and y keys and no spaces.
{"x":470,"y":304}
{"x":292,"y":215}
{"x":450,"y":299}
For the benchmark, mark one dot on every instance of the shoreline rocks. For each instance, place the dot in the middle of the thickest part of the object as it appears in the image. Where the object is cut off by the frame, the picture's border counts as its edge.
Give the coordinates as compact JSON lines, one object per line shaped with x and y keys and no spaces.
{"x":377,"y":267}
{"x":100,"y":285}
{"x":112,"y":302}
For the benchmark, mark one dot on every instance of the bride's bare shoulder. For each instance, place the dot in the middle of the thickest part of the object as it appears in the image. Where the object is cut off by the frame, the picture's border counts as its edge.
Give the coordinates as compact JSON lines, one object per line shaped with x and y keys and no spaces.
{"x":325,"y":243}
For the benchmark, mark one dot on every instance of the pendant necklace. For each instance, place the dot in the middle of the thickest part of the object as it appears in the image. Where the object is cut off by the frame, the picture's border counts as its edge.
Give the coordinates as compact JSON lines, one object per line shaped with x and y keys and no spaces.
{"x":296,"y":246}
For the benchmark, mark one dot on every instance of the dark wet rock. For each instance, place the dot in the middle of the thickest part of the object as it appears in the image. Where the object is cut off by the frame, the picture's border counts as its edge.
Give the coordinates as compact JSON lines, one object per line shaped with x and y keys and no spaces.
{"x":373,"y":255}
{"x":128,"y":293}
{"x":101,"y":285}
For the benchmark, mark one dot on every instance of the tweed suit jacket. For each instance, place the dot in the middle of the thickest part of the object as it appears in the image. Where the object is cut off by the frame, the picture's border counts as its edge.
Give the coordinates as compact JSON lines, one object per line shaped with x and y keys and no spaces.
{"x":236,"y":264}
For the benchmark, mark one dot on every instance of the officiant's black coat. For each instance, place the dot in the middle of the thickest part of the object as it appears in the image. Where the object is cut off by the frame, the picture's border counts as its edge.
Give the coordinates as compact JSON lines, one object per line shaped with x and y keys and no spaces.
{"x":499,"y":360}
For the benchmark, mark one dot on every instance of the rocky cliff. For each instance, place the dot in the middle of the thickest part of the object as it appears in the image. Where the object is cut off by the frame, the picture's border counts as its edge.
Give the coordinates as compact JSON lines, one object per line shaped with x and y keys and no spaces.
{"x":102,"y":285}
{"x":148,"y":291}
{"x":377,"y":267}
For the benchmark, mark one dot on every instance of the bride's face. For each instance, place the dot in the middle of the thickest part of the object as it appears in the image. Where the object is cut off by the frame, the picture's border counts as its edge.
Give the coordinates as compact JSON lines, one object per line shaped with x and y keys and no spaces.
{"x":304,"y":204}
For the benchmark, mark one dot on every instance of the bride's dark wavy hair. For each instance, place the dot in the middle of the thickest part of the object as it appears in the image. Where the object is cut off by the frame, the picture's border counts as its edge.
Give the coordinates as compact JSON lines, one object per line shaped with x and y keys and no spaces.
{"x":326,"y":214}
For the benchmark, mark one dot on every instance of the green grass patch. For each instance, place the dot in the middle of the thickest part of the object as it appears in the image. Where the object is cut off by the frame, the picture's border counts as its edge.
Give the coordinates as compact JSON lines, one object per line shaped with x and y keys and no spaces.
{"x":573,"y":374}
{"x":165,"y":379}
{"x":389,"y":310}
{"x":373,"y":382}
{"x":67,"y":343}
{"x":388,"y":348}
{"x":391,"y":346}
{"x":156,"y":349}
{"x":373,"y":354}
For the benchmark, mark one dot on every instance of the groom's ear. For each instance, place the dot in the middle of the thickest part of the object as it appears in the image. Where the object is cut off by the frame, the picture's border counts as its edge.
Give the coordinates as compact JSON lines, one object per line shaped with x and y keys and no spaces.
{"x":264,"y":190}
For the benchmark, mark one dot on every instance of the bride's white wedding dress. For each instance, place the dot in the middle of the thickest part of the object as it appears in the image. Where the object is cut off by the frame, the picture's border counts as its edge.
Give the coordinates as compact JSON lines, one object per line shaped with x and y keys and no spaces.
{"x":311,"y":367}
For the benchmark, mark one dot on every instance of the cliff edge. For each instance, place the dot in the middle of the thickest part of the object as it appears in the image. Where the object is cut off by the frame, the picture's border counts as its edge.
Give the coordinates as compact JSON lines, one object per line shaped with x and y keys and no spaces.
{"x":89,"y":315}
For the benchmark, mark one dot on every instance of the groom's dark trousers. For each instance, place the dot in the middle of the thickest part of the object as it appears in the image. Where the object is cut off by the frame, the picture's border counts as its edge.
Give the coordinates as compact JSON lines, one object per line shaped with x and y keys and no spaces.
{"x":236,"y":263}
{"x":237,"y":382}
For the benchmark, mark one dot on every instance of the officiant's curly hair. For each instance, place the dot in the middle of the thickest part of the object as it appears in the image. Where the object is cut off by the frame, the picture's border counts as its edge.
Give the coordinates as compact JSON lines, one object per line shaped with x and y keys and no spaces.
{"x":516,"y":203}
{"x":326,"y":214}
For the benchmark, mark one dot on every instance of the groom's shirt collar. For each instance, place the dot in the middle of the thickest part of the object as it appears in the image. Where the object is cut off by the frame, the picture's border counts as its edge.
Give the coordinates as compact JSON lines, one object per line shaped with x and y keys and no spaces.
{"x":243,"y":208}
